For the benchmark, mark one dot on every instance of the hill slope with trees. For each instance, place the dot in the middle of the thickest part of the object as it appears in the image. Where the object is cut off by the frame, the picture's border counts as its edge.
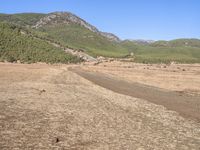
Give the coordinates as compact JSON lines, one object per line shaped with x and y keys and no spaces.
{"x":16,"y":45}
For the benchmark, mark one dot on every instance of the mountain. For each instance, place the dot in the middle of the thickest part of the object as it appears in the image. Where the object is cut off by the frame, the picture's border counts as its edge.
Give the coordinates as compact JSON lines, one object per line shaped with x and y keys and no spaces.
{"x":69,"y":30}
{"x":56,"y":18}
{"x":72,"y":31}
{"x":37,"y":20}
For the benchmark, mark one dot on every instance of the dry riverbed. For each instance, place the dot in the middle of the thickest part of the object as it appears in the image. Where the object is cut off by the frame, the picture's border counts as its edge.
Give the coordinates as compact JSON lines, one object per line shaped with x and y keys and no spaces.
{"x":51,"y":107}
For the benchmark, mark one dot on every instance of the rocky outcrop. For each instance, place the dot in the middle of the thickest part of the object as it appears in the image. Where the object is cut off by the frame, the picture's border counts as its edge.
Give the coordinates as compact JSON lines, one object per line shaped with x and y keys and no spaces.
{"x":63,"y":18}
{"x":69,"y":18}
{"x":110,"y":36}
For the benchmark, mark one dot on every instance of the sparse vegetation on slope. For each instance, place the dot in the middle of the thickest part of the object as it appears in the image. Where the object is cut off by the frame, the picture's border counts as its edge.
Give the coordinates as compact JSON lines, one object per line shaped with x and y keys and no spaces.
{"x":16,"y":45}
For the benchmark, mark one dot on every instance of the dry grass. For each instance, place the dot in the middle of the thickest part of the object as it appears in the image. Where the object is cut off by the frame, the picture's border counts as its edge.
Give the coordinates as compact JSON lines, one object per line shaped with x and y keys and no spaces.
{"x":49,"y":107}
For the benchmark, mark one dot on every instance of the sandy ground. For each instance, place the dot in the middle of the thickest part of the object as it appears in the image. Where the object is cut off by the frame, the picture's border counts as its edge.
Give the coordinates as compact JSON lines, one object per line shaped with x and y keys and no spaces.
{"x":50,"y":107}
{"x":178,"y":77}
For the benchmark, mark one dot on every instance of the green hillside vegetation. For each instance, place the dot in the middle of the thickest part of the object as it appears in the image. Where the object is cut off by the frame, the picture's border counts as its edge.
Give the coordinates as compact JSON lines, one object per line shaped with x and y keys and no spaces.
{"x":178,"y":43}
{"x":163,"y":54}
{"x":15,"y":45}
{"x":81,"y":38}
{"x":167,"y":55}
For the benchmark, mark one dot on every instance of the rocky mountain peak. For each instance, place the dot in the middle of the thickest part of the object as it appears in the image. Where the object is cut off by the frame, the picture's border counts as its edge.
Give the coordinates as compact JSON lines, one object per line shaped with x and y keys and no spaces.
{"x":69,"y":18}
{"x":63,"y":18}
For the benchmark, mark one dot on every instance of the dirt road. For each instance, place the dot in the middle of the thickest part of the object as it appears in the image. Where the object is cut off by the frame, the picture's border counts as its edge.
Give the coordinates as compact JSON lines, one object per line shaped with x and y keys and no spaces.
{"x":48,"y":107}
{"x":177,"y":77}
{"x":185,"y":105}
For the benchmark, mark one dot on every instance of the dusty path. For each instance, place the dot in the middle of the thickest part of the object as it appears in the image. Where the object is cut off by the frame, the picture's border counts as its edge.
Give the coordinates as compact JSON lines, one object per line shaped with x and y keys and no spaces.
{"x":187,"y":106}
{"x":46,"y":107}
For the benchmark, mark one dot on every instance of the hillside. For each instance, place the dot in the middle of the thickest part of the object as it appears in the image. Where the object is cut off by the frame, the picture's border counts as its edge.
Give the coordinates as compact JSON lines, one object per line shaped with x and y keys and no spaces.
{"x":16,"y":45}
{"x":78,"y":37}
{"x":153,"y":53}
{"x":178,"y":43}
{"x":23,"y":19}
{"x":72,"y":31}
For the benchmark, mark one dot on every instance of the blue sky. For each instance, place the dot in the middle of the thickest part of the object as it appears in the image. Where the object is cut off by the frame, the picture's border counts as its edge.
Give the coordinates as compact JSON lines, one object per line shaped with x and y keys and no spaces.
{"x":129,"y":19}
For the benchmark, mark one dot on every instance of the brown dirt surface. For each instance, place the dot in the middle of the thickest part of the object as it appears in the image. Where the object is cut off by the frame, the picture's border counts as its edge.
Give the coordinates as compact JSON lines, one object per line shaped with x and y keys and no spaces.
{"x":183,"y":78}
{"x":49,"y":107}
{"x":185,"y":105}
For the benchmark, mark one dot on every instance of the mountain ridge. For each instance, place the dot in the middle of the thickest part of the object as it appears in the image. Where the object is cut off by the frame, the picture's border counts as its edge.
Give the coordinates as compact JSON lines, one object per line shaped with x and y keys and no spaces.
{"x":38,"y":18}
